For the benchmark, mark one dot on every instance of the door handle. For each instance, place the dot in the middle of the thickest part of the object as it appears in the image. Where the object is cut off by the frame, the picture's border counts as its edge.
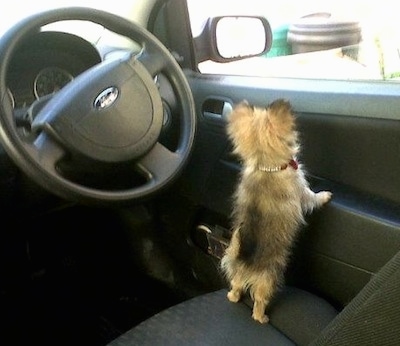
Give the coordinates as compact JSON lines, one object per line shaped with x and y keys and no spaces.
{"x":217,"y":109}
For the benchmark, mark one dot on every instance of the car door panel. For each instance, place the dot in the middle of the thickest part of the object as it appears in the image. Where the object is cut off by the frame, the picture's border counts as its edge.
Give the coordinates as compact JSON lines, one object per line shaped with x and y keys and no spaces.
{"x":349,"y":141}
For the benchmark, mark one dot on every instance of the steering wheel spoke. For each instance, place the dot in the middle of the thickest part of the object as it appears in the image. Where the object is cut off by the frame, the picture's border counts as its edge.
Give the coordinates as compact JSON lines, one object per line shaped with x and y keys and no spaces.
{"x":159,"y":163}
{"x":153,"y":62}
{"x":46,"y":152}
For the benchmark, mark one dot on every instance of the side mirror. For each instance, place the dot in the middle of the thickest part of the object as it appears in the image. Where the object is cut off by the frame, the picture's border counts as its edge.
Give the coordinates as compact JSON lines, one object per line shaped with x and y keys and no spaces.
{"x":230,"y":38}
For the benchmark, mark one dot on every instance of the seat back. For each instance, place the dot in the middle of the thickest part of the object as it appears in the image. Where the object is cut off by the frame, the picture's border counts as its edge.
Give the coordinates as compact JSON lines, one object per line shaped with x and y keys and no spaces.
{"x":372,"y":317}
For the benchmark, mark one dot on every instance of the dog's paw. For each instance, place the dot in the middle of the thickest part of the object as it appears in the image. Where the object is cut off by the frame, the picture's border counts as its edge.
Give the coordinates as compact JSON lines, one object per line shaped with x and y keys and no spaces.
{"x":233,"y":296}
{"x":324,"y":196}
{"x":262,"y":318}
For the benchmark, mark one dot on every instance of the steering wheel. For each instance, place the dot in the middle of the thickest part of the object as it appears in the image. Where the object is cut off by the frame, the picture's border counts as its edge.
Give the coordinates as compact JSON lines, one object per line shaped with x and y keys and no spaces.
{"x":107,"y":119}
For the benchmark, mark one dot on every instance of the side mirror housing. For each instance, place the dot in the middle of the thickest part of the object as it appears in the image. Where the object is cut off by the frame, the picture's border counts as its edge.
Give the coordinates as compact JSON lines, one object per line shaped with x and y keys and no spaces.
{"x":231,"y":38}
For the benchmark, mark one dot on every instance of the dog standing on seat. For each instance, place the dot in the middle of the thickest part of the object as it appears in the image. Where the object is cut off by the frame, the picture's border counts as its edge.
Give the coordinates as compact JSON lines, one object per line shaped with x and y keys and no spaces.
{"x":270,"y":202}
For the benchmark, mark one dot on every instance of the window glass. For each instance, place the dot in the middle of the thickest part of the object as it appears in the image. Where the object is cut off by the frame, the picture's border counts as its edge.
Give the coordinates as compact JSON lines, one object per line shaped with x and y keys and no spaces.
{"x":19,"y":9}
{"x":327,"y":39}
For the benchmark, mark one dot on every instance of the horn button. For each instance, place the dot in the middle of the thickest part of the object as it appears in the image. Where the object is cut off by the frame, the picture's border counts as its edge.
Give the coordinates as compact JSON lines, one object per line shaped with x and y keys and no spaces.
{"x":111,"y":113}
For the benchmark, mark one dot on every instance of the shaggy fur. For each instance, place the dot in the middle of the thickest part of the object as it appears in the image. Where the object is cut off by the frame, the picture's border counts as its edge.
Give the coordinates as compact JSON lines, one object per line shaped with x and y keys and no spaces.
{"x":270,"y":202}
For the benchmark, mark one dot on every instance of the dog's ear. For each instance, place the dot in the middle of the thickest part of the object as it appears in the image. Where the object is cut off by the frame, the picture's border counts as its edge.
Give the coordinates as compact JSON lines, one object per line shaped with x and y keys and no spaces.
{"x":280,"y":105}
{"x":241,"y":112}
{"x":280,"y":116}
{"x":243,"y":105}
{"x":239,"y":122}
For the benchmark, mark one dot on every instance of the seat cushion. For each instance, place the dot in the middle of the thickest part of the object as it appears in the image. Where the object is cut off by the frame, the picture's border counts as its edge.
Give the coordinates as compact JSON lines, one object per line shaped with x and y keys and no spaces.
{"x":211,"y":319}
{"x":300,"y":315}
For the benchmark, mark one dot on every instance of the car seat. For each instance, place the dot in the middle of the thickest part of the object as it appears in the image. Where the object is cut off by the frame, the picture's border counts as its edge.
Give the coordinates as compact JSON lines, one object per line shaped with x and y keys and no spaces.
{"x":297,"y":317}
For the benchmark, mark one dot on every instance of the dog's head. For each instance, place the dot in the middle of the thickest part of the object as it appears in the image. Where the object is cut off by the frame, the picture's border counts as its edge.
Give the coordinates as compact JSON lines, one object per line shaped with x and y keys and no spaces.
{"x":264,"y":136}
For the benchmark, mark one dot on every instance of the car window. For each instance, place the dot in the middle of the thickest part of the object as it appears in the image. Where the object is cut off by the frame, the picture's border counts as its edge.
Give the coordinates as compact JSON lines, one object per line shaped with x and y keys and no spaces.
{"x":19,"y":10}
{"x":89,"y":31}
{"x":329,"y":39}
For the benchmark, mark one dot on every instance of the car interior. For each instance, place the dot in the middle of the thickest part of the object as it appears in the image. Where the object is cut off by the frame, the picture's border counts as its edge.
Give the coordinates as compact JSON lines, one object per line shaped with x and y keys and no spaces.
{"x":116,"y":184}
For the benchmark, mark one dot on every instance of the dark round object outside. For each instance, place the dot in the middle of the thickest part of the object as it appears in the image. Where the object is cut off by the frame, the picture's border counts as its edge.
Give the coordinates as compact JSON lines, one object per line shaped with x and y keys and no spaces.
{"x":321,"y":31}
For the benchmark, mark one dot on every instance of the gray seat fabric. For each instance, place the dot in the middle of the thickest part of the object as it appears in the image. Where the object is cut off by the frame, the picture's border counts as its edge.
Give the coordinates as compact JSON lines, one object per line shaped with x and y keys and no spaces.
{"x":296,"y":318}
{"x":372,"y":318}
{"x":300,"y":315}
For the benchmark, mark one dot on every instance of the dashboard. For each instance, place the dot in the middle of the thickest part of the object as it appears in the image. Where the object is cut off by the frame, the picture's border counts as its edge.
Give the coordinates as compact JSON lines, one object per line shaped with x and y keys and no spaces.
{"x":45,"y":62}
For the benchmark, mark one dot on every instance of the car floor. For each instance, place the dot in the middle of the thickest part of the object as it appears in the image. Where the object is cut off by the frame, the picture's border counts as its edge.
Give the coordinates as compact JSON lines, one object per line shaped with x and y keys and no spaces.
{"x":68,"y":280}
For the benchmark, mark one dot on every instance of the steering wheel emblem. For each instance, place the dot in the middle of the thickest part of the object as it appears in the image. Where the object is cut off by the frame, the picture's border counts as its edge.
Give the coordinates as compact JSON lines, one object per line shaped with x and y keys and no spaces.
{"x":106,"y":98}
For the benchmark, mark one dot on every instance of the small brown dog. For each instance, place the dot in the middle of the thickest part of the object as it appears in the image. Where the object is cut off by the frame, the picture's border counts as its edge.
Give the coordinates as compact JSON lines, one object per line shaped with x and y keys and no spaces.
{"x":270,"y":202}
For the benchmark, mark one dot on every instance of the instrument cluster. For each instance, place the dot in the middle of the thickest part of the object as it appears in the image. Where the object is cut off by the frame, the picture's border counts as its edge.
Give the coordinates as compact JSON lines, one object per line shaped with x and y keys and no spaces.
{"x":45,"y":63}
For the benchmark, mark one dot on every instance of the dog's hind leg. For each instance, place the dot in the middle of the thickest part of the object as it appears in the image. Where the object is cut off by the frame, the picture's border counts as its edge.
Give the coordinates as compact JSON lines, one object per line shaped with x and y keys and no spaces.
{"x":237,"y":288}
{"x":261,"y":294}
